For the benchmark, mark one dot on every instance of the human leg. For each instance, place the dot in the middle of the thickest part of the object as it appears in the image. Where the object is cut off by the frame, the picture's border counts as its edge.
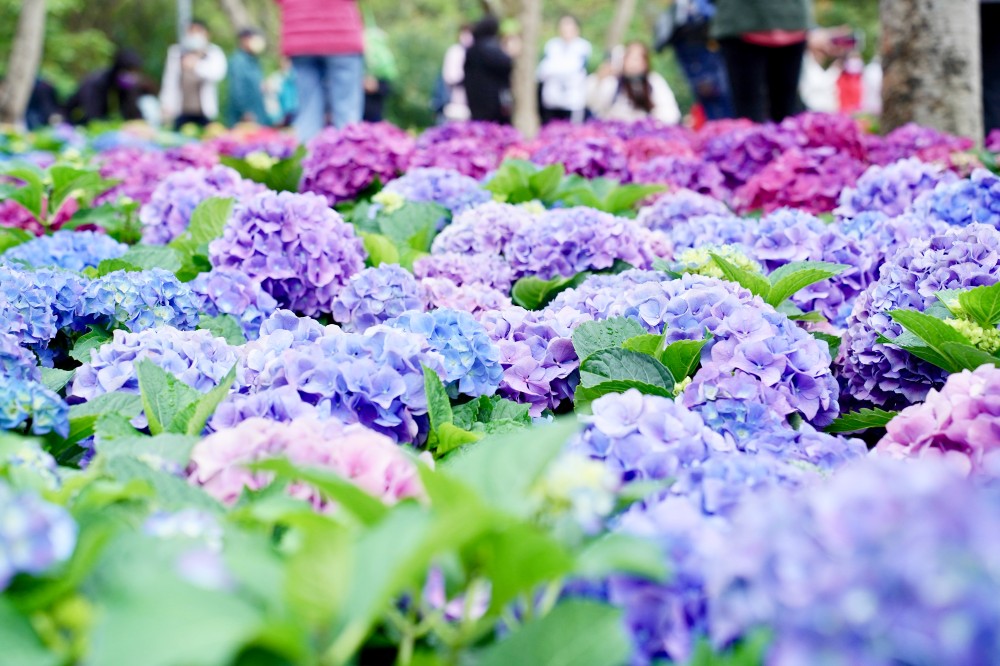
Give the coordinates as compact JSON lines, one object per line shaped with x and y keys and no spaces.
{"x":746,"y":65}
{"x":345,"y":88}
{"x":784,"y":68}
{"x":309,"y":83}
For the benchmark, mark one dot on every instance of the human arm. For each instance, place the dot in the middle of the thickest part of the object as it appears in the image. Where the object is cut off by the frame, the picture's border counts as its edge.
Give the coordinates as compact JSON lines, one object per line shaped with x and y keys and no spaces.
{"x":170,"y":89}
{"x":665,"y":107}
{"x":453,"y":69}
{"x":212,"y":66}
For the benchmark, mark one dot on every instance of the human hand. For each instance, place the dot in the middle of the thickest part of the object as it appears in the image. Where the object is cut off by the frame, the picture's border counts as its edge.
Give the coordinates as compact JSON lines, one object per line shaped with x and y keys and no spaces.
{"x":371,"y":84}
{"x":190,"y":60}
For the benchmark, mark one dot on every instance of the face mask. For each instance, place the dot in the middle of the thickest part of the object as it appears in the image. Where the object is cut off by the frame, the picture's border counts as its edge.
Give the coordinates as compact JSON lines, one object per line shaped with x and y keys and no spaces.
{"x":256,"y":45}
{"x":194,"y":42}
{"x":126,"y":80}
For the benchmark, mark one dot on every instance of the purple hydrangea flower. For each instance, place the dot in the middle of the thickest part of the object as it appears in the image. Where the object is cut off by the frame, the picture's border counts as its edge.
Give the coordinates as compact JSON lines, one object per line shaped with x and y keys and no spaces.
{"x":743,"y":152}
{"x":445,"y":187}
{"x":696,"y":232}
{"x":587,"y":156}
{"x":301,"y":252}
{"x":674,"y":208}
{"x":886,"y":563}
{"x":35,"y":535}
{"x":810,"y":179}
{"x":227,"y":292}
{"x":139,"y":171}
{"x":967,"y":201}
{"x":891,"y":189}
{"x":483,"y":229}
{"x":827,"y":130}
{"x":376,"y":295}
{"x":912,"y":140}
{"x":465,"y":269}
{"x":567,"y":241}
{"x":962,"y":258}
{"x":471,"y":148}
{"x":471,"y":360}
{"x":67,"y":250}
{"x":476,"y":299}
{"x":168,"y":212}
{"x":684,"y":173}
{"x":342,"y":163}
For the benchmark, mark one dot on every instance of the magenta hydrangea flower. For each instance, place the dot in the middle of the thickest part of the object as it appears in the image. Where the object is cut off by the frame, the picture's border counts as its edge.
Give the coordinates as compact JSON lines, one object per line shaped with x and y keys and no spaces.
{"x":589,"y":157}
{"x":169,"y":210}
{"x":342,"y":163}
{"x":140,"y":171}
{"x":676,"y":207}
{"x":472,"y":148}
{"x":960,"y":423}
{"x":742,"y":153}
{"x":300,"y":251}
{"x":465,"y":269}
{"x":961,"y":258}
{"x":362,"y":456}
{"x":682,"y":172}
{"x":641,"y":149}
{"x":810,"y":180}
{"x":838,"y":131}
{"x":891,"y":189}
{"x":567,"y":241}
{"x":483,"y":229}
{"x":912,"y":140}
{"x":376,"y":295}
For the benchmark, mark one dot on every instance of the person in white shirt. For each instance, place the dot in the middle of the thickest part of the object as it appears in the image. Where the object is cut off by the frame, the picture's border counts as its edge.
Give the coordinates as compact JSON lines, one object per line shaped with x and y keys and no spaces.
{"x":563,"y":73}
{"x":194,"y":68}
{"x":627,"y":89}
{"x":456,"y":107}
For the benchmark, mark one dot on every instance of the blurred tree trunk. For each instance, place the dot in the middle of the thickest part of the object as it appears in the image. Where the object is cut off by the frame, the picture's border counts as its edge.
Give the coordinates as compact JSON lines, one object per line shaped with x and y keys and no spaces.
{"x":932,"y":68}
{"x":236,"y":11}
{"x":525,"y":82}
{"x":619,"y":25}
{"x":22,"y":66}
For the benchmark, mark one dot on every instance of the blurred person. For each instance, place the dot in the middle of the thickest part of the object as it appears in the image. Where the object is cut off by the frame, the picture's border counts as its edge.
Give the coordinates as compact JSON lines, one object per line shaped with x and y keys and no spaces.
{"x":989,"y":20}
{"x":110,"y":92}
{"x":684,"y":26}
{"x":380,"y":73}
{"x":454,"y":105}
{"x":626,"y":88}
{"x":487,"y":74}
{"x":43,"y":106}
{"x":281,"y":99}
{"x":191,"y":76}
{"x":325,"y":40}
{"x":245,"y":92}
{"x":850,"y":85}
{"x":563,"y":73}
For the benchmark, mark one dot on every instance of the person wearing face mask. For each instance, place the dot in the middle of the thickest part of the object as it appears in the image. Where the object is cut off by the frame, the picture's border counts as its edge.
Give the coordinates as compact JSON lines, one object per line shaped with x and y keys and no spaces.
{"x":245,"y":101}
{"x":193,"y":70}
{"x":110,"y":92}
{"x":626,"y":88}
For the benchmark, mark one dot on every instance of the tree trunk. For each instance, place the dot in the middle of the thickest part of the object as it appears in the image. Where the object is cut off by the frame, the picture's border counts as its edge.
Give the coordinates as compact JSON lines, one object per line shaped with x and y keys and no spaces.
{"x":25,"y":57}
{"x":236,"y":11}
{"x":932,"y":68}
{"x":525,"y":82}
{"x":619,"y":25}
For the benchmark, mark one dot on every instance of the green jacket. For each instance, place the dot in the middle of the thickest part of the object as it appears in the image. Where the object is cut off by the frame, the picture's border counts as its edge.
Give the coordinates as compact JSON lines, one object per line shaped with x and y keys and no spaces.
{"x":245,"y":95}
{"x":738,"y":17}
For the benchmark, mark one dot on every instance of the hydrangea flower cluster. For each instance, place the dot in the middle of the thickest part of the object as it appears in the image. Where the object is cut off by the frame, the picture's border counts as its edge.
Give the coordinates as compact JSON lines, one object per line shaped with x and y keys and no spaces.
{"x":16,"y":362}
{"x":891,"y":189}
{"x":680,"y":206}
{"x":365,"y":458}
{"x":376,"y":295}
{"x":466,"y":269}
{"x":445,"y":187}
{"x":374,"y":378}
{"x":967,"y":201}
{"x":683,"y":173}
{"x":472,"y":148}
{"x":68,"y":250}
{"x":299,"y":250}
{"x":696,"y":232}
{"x":140,"y":171}
{"x":886,"y":563}
{"x":138,"y":301}
{"x":483,"y":229}
{"x":15,"y":216}
{"x":471,"y":360}
{"x":474,"y":298}
{"x":912,"y":140}
{"x":568,"y":241}
{"x":885,"y":375}
{"x":838,"y":131}
{"x":960,"y":423}
{"x":26,"y":400}
{"x":641,"y":149}
{"x":810,"y":180}
{"x":168,"y":212}
{"x":227,"y":292}
{"x":340,"y":164}
{"x":35,"y":305}
{"x":35,"y":535}
{"x":194,"y":357}
{"x":744,"y":152}
{"x":587,"y":156}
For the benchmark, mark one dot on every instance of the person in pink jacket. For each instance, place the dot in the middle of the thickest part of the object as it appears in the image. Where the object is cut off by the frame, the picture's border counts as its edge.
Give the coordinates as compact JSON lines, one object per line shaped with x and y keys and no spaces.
{"x":325,"y":40}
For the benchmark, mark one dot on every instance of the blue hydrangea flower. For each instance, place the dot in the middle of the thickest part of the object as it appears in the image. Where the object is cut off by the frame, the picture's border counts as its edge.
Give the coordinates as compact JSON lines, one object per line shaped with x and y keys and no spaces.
{"x":445,"y":187}
{"x":138,"y":301}
{"x":16,"y":362}
{"x":376,"y":295}
{"x":25,"y":400}
{"x":891,"y":189}
{"x":471,"y":359}
{"x":696,"y":232}
{"x":226,"y":292}
{"x":971,"y":200}
{"x":68,"y":250}
{"x":35,"y":535}
{"x":36,"y":305}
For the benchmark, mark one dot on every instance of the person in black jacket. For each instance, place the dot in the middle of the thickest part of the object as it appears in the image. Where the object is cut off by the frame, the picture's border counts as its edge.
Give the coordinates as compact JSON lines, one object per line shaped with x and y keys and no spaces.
{"x":487,"y":74}
{"x":109,"y":92}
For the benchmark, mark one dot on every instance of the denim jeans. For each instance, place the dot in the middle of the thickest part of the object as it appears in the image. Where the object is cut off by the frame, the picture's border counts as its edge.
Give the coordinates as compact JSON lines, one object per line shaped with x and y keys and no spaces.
{"x":331,"y":84}
{"x":706,"y":73}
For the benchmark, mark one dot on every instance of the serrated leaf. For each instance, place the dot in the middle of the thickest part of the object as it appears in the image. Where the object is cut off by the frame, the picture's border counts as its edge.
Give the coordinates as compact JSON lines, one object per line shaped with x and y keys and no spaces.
{"x":380,"y":249}
{"x":932,"y":331}
{"x":167,"y":446}
{"x":625,"y":197}
{"x":87,"y":343}
{"x":585,"y":395}
{"x":145,"y":257}
{"x":83,"y":418}
{"x":532,"y":293}
{"x":223,"y":326}
{"x":450,"y":437}
{"x":756,"y":283}
{"x":55,"y":379}
{"x":544,"y":182}
{"x":624,"y":365}
{"x":438,"y":405}
{"x":683,"y":357}
{"x":109,"y":266}
{"x":968,"y":357}
{"x":833,"y":342}
{"x":207,"y":223}
{"x":982,"y":305}
{"x":414,"y":225}
{"x":648,"y":343}
{"x":165,"y":399}
{"x":207,"y":404}
{"x":593,"y":336}
{"x":861,"y":420}
{"x":787,"y":280}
